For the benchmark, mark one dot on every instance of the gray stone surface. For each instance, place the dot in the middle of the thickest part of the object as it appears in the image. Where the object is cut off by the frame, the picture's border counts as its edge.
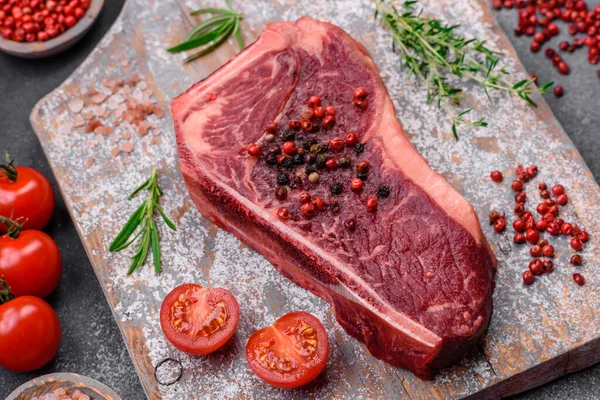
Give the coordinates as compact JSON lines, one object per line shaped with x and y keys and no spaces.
{"x":92,"y":344}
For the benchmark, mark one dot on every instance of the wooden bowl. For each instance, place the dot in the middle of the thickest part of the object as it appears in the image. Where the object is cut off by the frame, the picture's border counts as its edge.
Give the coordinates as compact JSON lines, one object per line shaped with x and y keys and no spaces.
{"x":55,"y":45}
{"x":47,"y":383}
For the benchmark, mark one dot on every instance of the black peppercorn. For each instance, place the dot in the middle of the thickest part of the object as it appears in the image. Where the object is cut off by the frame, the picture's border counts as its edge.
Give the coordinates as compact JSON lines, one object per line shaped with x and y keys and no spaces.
{"x":383,"y":192}
{"x":287,"y":163}
{"x":334,"y":206}
{"x":273,"y":149}
{"x":271,"y":159}
{"x":336,"y":188}
{"x":359,"y":148}
{"x":283,"y":179}
{"x":293,"y":185}
{"x":281,"y":193}
{"x":308,"y":143}
{"x":309,"y":169}
{"x":324,"y":148}
{"x":298,"y":159}
{"x":288,"y":136}
{"x":311,"y":158}
{"x":362,"y":176}
{"x":344,"y":162}
{"x":321,"y":161}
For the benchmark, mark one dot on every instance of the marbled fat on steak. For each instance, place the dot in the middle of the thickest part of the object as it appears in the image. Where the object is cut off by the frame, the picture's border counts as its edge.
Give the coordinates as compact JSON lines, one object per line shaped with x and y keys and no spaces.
{"x":413,"y":280}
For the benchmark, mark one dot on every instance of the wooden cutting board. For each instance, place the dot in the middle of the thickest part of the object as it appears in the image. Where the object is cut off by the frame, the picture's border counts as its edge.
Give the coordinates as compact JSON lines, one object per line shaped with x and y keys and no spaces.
{"x":537,"y":333}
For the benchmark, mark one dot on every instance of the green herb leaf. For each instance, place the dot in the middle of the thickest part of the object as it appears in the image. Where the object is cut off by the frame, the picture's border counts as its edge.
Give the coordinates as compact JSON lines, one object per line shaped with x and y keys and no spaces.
{"x":143,"y":218}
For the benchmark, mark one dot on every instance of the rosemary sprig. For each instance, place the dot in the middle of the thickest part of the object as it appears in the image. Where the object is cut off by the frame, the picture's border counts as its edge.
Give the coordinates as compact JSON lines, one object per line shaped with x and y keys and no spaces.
{"x":212,"y":32}
{"x":143,"y":218}
{"x":431,"y":50}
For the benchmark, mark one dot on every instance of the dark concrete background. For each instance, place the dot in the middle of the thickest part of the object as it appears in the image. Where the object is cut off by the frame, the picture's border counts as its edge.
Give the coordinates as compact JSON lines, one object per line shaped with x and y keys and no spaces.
{"x":92,"y":344}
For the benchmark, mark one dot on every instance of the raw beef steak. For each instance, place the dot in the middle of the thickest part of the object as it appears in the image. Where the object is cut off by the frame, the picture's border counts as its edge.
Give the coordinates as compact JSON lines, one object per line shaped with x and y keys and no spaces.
{"x":410,"y":276}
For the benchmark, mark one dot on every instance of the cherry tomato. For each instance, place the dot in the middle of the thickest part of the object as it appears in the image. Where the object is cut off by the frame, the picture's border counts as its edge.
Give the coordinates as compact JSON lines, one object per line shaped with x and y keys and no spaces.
{"x":25,"y":193}
{"x":290,"y":353}
{"x":29,"y":334}
{"x":199,"y":320}
{"x":30,"y":263}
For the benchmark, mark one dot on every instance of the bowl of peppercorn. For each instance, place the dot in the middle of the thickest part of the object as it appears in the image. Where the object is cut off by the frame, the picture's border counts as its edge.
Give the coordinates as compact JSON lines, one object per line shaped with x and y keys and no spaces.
{"x":42,"y":28}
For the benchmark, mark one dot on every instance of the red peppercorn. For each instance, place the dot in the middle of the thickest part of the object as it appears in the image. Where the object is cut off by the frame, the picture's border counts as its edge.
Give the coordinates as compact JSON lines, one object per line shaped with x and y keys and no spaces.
{"x":360,"y":93}
{"x":532,"y":236}
{"x":289,"y":148}
{"x":559,"y":91}
{"x":544,"y":194}
{"x":553,"y":210}
{"x":519,"y":209}
{"x":281,"y":193}
{"x":553,"y":29}
{"x":542,"y":243}
{"x":318,"y":204}
{"x":328,"y":122}
{"x":548,"y":217}
{"x":547,"y":266}
{"x":357,"y":184}
{"x":562,"y":199}
{"x":499,"y":225}
{"x":519,"y":238}
{"x":539,"y":37}
{"x":519,"y":225}
{"x":576,"y":260}
{"x":541,"y":225}
{"x":579,"y":279}
{"x":535,"y":46}
{"x":361,"y":103}
{"x":283,"y":213}
{"x":304,"y":197}
{"x":308,"y":114}
{"x":532,"y":171}
{"x":70,"y":21}
{"x":295,"y":124}
{"x":583,"y":236}
{"x":576,"y":244}
{"x":563,"y":68}
{"x":372,"y":203}
{"x":306,"y":124}
{"x":563,"y":45}
{"x":542,"y":208}
{"x":535,"y":266}
{"x":320,"y":112}
{"x":330,"y":109}
{"x":566,"y":229}
{"x":254,"y":149}
{"x":331,"y":163}
{"x":528,"y":277}
{"x":362,"y":167}
{"x":517,"y":185}
{"x":535,"y":251}
{"x":336,"y":144}
{"x":548,"y":250}
{"x":549,"y":202}
{"x":314,"y":101}
{"x":308,"y":210}
{"x":494,"y":216}
{"x":559,"y":221}
{"x":553,"y":228}
{"x":521,"y":197}
{"x":351,"y":138}
{"x":271,"y":127}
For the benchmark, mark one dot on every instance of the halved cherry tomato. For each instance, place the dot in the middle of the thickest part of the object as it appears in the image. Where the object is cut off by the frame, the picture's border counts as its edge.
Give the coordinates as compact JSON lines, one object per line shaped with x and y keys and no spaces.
{"x":25,"y":193}
{"x":29,"y":334}
{"x":290,"y":353}
{"x":199,"y":320}
{"x":30,"y":263}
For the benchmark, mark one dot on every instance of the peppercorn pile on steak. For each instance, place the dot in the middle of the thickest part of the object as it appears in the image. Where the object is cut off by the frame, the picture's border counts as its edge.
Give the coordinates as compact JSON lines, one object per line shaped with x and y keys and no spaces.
{"x":294,"y":146}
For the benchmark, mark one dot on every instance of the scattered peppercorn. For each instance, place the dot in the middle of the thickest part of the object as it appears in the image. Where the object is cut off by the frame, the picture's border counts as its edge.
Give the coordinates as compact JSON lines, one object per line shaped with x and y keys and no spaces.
{"x":542,"y":208}
{"x":532,"y":236}
{"x":519,"y":225}
{"x":360,"y":93}
{"x":350,"y":224}
{"x":269,"y":137}
{"x":287,"y":163}
{"x":298,"y":159}
{"x":559,"y":91}
{"x":328,"y":122}
{"x":542,"y":186}
{"x":532,"y":171}
{"x":336,"y":144}
{"x":314,"y":178}
{"x":295,"y":124}
{"x":519,"y":238}
{"x":310,"y":169}
{"x":517,"y":185}
{"x":576,"y":244}
{"x":583,"y":236}
{"x":316,"y":148}
{"x":521,"y":197}
{"x":288,"y":136}
{"x":535,"y":266}
{"x":271,"y":159}
{"x":314,"y":101}
{"x":281,"y":193}
{"x":351,"y":138}
{"x":545,"y":194}
{"x":553,"y":228}
{"x":496,"y":176}
{"x":361,"y":103}
{"x":356,"y":185}
{"x":321,"y":161}
{"x":254,"y":149}
{"x":535,"y":251}
{"x":562,"y":199}
{"x":304,"y":197}
{"x":362,"y":176}
{"x":541,"y":225}
{"x":557,"y":190}
{"x":336,"y":188}
{"x":306,"y":124}
{"x":359,"y":148}
{"x":372,"y":204}
{"x":542,"y":243}
{"x":362,"y":166}
{"x":307,"y":144}
{"x":331,"y":163}
{"x":553,"y":210}
{"x":283,"y":213}
{"x":330,"y":109}
{"x":283,"y":179}
{"x":576,"y":259}
{"x":308,"y":210}
{"x":494,"y":216}
{"x":548,"y":250}
{"x":271,"y":127}
{"x":528,"y":277}
{"x":383,"y":192}
{"x":334,"y":206}
{"x":579,"y":279}
{"x":519,"y":209}
{"x":499,"y":225}
{"x":318,"y":204}
{"x":559,"y":222}
{"x":344,"y":162}
{"x":547,"y":266}
{"x":320,"y":112}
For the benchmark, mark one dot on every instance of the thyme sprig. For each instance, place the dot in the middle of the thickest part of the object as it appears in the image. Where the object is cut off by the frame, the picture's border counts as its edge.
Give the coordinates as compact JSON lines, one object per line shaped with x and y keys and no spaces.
{"x":213,"y":32}
{"x":431,"y":50}
{"x":143,"y":218}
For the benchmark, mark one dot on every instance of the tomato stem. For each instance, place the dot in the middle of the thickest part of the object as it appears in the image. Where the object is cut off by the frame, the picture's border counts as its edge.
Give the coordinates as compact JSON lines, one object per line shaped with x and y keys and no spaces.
{"x":13,"y":226}
{"x":10,"y":171}
{"x":5,"y":293}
